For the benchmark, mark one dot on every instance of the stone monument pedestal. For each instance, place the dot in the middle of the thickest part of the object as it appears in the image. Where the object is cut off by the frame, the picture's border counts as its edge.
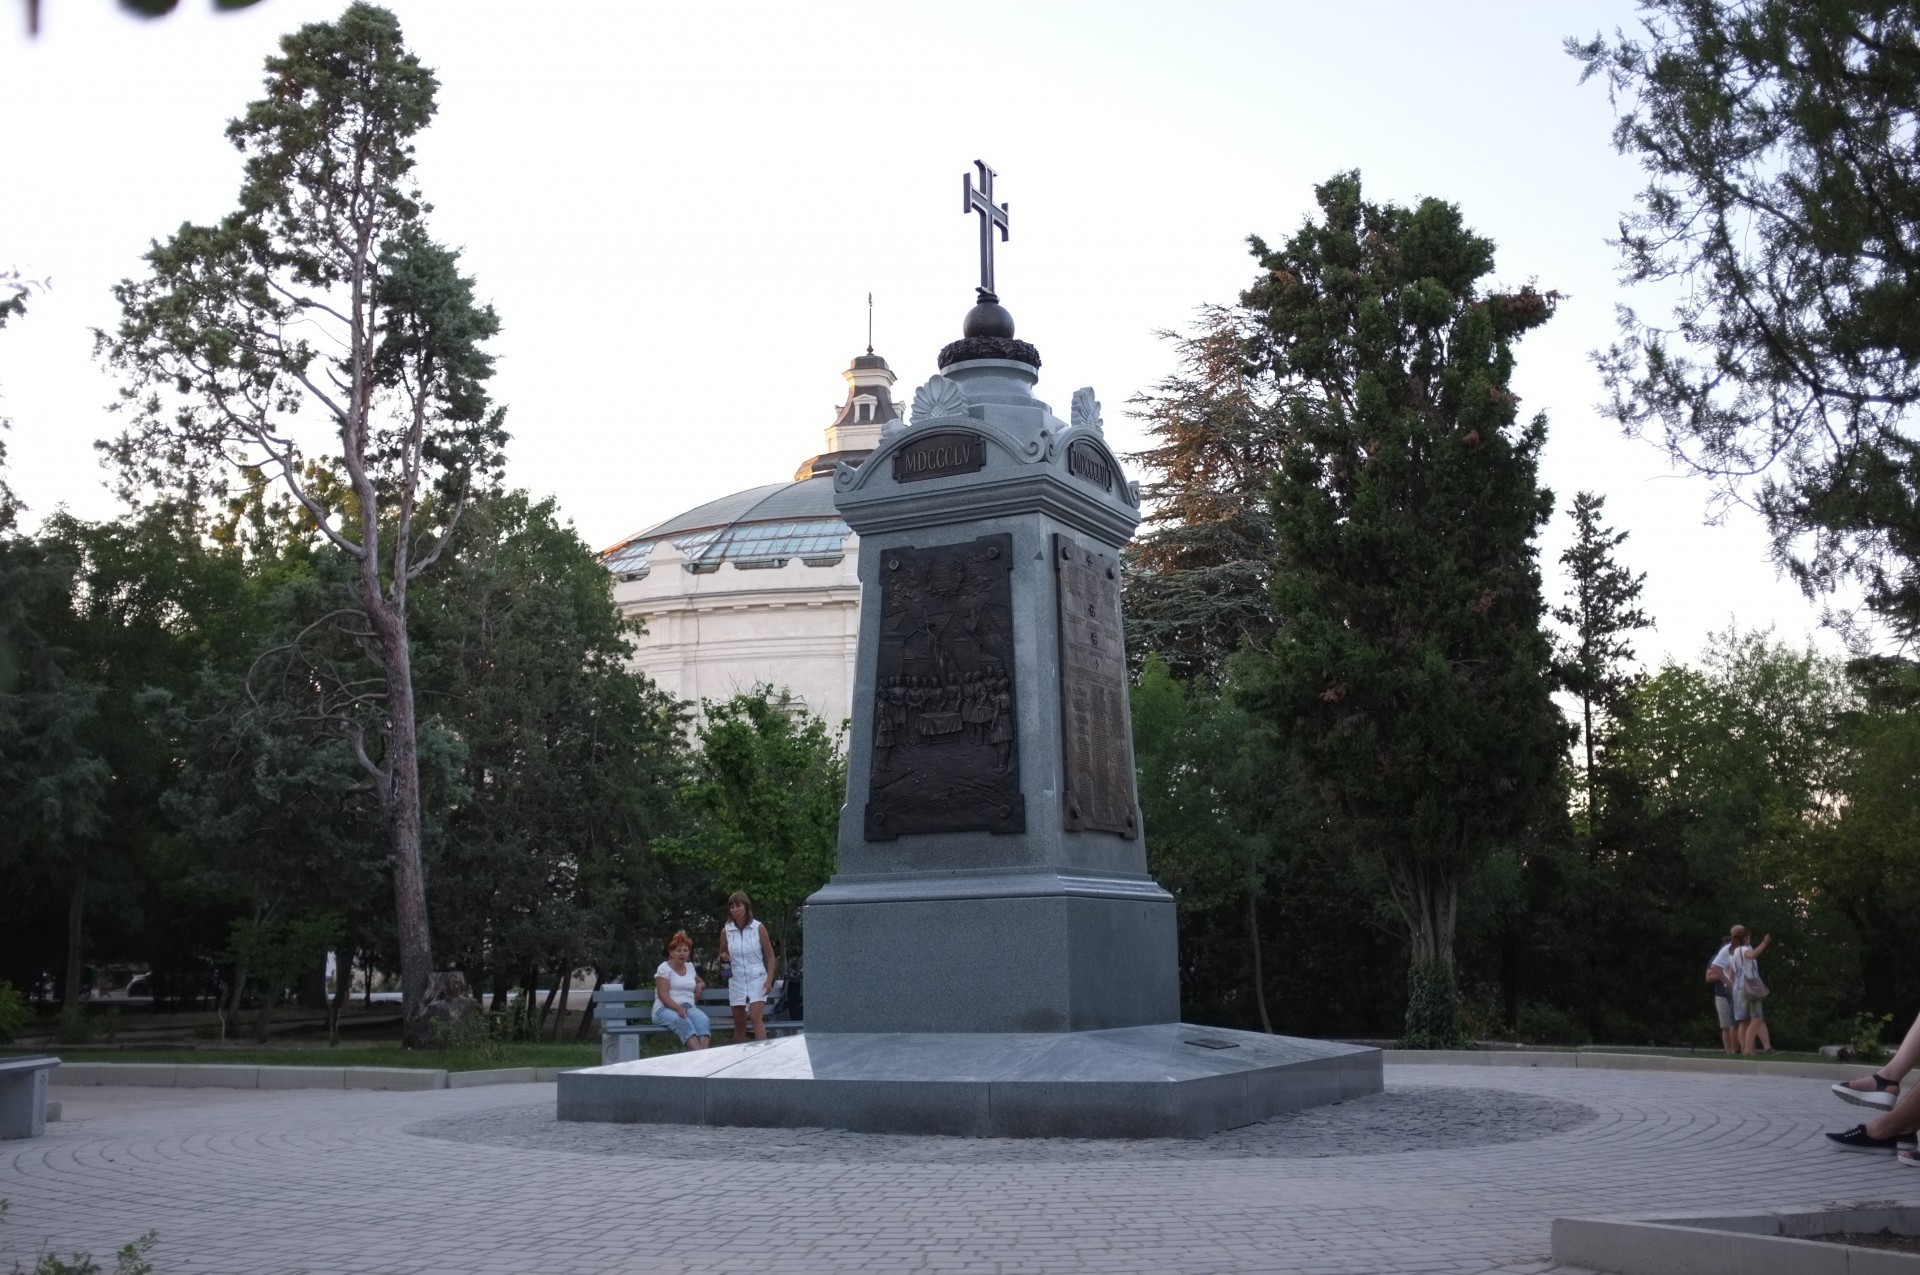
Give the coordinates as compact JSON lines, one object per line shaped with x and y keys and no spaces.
{"x":992,"y":958}
{"x":1168,"y":1080}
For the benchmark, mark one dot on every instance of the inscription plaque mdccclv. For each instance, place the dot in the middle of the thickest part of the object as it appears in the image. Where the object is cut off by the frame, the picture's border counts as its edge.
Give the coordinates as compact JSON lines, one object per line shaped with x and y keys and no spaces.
{"x":945,"y":756}
{"x":1095,"y":733}
{"x":938,"y":455}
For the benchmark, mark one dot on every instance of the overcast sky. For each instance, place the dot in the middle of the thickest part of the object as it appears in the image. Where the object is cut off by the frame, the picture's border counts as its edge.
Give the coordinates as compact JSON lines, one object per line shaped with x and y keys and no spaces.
{"x":679,"y":211}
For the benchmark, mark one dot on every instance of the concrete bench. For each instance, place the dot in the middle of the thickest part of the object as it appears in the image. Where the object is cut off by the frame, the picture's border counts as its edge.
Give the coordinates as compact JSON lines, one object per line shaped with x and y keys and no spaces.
{"x":23,"y":1096}
{"x":626,"y":1014}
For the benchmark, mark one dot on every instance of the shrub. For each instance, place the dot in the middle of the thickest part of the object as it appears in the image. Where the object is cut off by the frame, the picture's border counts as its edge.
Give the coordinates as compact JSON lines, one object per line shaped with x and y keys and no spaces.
{"x":130,"y":1260}
{"x":1550,"y":1025}
{"x":1433,"y":1008}
{"x":1864,"y":1041}
{"x":73,"y":1027}
{"x":14,"y":1013}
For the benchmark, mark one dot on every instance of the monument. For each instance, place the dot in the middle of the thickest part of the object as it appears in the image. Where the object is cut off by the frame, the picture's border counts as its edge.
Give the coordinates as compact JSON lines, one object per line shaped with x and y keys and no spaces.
{"x":992,"y":957}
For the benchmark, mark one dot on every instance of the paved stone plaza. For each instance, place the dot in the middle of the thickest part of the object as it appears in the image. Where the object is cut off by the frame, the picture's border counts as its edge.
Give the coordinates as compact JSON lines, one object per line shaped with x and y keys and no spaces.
{"x":1454,"y":1168}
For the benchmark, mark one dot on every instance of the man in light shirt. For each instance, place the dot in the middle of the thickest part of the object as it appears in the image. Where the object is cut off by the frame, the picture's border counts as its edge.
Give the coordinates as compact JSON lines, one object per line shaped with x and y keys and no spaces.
{"x":1720,"y":978}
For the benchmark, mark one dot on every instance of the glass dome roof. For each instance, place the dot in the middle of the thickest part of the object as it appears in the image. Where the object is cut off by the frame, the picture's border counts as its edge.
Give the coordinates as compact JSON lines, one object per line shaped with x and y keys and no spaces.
{"x":761,"y":527}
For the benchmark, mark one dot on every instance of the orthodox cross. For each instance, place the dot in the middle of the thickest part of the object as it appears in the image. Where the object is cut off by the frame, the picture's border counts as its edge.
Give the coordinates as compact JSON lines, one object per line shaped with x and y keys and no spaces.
{"x":981,"y":201}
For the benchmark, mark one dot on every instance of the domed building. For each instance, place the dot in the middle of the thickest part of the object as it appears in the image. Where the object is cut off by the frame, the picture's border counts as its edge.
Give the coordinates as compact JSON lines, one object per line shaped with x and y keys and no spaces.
{"x":760,"y":587}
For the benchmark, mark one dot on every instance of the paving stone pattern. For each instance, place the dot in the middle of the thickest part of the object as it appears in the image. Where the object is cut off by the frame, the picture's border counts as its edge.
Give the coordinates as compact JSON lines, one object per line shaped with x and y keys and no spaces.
{"x":470,"y":1180}
{"x":1408,"y":1118}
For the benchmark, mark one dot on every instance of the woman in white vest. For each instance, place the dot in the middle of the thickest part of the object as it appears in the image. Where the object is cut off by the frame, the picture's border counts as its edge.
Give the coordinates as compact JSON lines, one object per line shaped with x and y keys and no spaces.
{"x":748,"y":953}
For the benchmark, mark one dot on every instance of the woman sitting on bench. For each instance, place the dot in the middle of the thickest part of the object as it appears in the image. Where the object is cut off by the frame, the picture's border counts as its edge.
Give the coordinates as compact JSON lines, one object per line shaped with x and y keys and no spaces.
{"x":677,"y":989}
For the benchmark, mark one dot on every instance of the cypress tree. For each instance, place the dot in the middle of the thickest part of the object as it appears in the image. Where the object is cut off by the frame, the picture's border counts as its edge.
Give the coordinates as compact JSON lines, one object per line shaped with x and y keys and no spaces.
{"x":1410,"y":670}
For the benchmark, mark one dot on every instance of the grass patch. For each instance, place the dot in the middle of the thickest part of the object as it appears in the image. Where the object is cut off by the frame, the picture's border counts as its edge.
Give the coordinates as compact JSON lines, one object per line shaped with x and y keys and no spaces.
{"x":544,"y":1054}
{"x":362,"y":1054}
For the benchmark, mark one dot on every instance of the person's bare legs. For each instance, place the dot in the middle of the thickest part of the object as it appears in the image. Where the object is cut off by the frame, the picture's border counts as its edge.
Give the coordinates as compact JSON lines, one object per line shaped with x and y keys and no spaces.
{"x":1899,"y":1065}
{"x":1729,"y":1036}
{"x":697,"y":1042}
{"x":1904,"y":1118}
{"x":759,"y":1026}
{"x":1761,"y":1034}
{"x":739,"y":1023}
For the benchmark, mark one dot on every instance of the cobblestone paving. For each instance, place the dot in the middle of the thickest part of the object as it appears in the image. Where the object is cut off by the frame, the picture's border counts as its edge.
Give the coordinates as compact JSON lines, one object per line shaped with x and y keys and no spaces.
{"x":267,"y":1183}
{"x":1406,"y":1118}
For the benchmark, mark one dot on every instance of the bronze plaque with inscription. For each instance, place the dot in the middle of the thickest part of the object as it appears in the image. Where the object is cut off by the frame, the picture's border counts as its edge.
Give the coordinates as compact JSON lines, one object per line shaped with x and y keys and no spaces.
{"x":945,"y":755}
{"x":938,"y":455}
{"x":1085,"y":462}
{"x":1095,"y":732}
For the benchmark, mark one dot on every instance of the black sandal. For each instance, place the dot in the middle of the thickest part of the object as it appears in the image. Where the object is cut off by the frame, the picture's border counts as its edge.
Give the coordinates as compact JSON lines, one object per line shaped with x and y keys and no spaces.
{"x":1882,"y":1096}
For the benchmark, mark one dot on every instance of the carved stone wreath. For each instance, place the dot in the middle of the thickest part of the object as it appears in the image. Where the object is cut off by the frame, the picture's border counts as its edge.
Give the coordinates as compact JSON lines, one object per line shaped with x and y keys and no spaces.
{"x":989,"y":347}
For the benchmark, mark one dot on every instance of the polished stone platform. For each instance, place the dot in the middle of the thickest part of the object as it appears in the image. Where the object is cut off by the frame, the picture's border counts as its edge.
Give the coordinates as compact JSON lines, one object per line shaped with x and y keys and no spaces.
{"x":1168,"y":1080}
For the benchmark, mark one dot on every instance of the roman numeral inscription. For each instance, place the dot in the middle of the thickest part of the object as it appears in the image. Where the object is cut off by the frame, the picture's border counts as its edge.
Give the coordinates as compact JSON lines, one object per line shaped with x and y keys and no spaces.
{"x":1085,"y":462}
{"x":938,"y":455}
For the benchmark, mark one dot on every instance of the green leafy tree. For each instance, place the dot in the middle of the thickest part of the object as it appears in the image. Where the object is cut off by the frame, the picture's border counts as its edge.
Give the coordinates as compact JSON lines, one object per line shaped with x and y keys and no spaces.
{"x":318,"y":335}
{"x":1201,"y":574}
{"x":763,"y":805}
{"x":1410,"y":672}
{"x":1869,"y":871}
{"x":1595,"y":662}
{"x":571,"y":760}
{"x":133,"y":606}
{"x":14,"y":291}
{"x":1780,"y":211}
{"x":1735,"y":766}
{"x":1218,"y":797}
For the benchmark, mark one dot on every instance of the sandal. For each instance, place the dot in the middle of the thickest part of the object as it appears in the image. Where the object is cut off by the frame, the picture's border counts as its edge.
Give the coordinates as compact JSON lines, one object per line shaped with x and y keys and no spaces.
{"x":1883,"y":1094}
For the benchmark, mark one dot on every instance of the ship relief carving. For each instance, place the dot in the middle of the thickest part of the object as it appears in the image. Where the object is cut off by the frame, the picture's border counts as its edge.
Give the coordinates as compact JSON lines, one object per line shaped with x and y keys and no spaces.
{"x":945,"y":753}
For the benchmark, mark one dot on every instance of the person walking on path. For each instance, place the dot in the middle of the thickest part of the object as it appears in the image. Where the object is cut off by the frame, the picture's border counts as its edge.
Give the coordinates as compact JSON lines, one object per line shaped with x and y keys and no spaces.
{"x":1882,"y":1088}
{"x":677,"y":987}
{"x":1720,"y":978}
{"x":1749,"y":992}
{"x":748,"y":951}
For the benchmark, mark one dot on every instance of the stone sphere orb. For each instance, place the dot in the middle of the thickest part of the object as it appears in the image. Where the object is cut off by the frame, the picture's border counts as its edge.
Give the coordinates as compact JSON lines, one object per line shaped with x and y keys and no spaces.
{"x":989,"y":318}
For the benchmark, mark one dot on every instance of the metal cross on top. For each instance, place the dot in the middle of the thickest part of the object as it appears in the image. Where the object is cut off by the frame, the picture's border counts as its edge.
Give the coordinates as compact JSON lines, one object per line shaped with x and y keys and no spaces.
{"x":981,"y":201}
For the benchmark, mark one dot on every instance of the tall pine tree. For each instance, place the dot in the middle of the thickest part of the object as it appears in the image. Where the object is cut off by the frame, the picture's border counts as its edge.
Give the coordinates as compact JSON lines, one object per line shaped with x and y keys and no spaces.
{"x":1410,"y":670}
{"x":1595,"y":661}
{"x":319,"y":335}
{"x":1201,"y":577}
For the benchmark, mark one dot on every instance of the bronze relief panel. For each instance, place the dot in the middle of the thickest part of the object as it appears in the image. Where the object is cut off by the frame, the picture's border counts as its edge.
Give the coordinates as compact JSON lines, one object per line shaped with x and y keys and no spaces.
{"x":945,"y":748}
{"x":1095,"y":732}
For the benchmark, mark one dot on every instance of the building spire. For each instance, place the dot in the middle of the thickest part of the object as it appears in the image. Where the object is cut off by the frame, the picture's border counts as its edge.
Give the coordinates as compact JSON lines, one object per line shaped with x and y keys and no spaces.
{"x":869,"y":323}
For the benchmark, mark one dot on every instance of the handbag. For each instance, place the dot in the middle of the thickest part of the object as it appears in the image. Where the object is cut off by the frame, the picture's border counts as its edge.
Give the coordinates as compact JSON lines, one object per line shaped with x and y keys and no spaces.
{"x":1754,"y":988}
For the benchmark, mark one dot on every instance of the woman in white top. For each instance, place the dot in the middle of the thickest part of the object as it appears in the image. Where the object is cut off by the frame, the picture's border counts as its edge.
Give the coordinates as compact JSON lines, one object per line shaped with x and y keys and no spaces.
{"x":677,"y":987}
{"x":748,"y":951}
{"x":1749,"y":1014}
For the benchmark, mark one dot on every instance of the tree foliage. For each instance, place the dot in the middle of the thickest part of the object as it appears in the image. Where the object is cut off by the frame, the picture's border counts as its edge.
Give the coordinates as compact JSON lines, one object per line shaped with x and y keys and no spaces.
{"x":1595,"y":661}
{"x":1782,"y":214}
{"x":1201,"y":573}
{"x":569,"y":761}
{"x":317,"y":334}
{"x":1410,"y":671}
{"x":763,"y":805}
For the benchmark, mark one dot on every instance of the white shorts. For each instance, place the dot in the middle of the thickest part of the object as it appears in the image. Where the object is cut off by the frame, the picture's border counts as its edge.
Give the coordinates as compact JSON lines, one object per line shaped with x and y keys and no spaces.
{"x":743,"y":987}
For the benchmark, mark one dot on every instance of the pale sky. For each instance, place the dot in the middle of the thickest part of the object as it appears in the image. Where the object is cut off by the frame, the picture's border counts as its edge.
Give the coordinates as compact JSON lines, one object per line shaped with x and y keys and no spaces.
{"x":678,"y":212}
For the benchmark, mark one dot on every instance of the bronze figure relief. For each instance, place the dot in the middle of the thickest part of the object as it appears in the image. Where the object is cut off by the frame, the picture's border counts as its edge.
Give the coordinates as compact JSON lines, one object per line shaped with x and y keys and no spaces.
{"x":944,"y":756}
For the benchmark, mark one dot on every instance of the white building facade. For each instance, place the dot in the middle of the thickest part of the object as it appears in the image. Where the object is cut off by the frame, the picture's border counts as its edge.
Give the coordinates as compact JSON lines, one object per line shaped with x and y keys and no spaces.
{"x":761,"y":587}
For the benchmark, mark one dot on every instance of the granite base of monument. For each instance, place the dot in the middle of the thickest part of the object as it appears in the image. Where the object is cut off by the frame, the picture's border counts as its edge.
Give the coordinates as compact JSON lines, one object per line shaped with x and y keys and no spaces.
{"x":1168,"y":1080}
